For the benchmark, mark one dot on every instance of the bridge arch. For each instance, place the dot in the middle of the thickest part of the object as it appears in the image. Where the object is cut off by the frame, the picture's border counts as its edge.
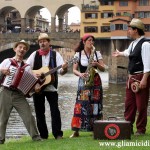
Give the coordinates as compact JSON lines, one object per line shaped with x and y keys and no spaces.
{"x":29,"y":8}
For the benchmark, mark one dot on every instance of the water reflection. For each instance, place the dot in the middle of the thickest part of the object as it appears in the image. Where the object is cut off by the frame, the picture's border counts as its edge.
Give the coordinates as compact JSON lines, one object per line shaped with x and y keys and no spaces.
{"x":113,"y":102}
{"x":114,"y":96}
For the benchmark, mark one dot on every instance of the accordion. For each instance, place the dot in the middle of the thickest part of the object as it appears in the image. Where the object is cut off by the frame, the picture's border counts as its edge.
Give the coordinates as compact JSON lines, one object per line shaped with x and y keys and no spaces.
{"x":21,"y":80}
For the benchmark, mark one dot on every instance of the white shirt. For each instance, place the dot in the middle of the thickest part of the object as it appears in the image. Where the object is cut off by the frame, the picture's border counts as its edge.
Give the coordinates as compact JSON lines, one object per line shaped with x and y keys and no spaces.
{"x":45,"y":62}
{"x":145,"y":53}
{"x":84,"y":59}
{"x":6,"y":64}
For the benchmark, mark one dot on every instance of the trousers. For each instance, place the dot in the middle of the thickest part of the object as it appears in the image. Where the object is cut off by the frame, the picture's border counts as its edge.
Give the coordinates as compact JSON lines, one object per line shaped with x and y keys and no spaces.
{"x":137,"y":102}
{"x":39,"y":103}
{"x":14,"y":99}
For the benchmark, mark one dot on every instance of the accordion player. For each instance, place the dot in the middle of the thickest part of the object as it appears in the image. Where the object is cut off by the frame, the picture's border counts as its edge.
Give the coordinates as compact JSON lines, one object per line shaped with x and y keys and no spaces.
{"x":20,"y":79}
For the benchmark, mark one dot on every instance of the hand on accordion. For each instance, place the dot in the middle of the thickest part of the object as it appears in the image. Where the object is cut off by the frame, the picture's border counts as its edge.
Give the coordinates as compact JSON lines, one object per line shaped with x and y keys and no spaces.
{"x":5,"y":71}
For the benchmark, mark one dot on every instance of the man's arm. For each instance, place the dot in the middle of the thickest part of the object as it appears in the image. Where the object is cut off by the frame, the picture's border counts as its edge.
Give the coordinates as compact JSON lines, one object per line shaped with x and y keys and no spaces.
{"x":64,"y":69}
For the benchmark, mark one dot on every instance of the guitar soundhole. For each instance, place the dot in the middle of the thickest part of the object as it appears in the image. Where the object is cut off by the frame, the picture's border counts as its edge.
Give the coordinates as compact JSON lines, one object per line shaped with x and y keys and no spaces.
{"x":42,"y":76}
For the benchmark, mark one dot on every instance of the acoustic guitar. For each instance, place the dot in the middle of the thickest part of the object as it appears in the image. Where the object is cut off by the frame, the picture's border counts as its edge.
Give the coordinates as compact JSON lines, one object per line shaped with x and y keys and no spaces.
{"x":46,"y":72}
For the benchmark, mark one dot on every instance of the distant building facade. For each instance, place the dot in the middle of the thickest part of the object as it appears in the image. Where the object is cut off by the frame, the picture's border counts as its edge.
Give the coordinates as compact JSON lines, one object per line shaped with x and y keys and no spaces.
{"x":109,"y":19}
{"x":38,"y":23}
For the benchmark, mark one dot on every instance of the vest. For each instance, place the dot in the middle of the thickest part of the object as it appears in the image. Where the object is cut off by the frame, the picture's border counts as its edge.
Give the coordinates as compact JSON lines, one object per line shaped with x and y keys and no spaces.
{"x":83,"y":68}
{"x":135,"y":58}
{"x":52,"y":64}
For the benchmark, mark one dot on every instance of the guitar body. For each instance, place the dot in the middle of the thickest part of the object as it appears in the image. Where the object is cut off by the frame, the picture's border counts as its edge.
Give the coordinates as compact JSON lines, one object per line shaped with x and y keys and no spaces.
{"x":49,"y":78}
{"x":47,"y":75}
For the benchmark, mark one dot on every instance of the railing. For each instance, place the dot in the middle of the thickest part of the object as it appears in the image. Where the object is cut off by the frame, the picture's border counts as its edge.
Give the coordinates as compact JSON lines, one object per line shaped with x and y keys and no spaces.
{"x":88,"y":7}
{"x":13,"y":37}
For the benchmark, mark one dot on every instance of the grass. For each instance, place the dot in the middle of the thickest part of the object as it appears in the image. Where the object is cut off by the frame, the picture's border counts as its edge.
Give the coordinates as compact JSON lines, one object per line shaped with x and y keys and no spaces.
{"x":84,"y":142}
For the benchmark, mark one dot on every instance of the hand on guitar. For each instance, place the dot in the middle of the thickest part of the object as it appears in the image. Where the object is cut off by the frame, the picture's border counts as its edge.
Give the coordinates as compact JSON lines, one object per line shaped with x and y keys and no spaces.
{"x":64,"y":68}
{"x":37,"y":88}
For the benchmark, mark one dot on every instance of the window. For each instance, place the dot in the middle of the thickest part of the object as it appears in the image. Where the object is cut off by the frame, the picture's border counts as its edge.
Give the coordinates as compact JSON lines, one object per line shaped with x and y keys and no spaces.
{"x":91,"y":29}
{"x":144,"y":14}
{"x":118,"y":27}
{"x":118,"y":14}
{"x":123,"y":3}
{"x":108,"y":2}
{"x":143,"y":2}
{"x":106,"y":15}
{"x":91,"y":15}
{"x":105,"y":28}
{"x":147,"y":15}
{"x":147,"y":27}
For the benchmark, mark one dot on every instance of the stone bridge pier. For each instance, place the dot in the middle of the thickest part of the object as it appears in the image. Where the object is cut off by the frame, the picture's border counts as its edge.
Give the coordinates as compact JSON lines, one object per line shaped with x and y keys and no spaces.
{"x":118,"y":65}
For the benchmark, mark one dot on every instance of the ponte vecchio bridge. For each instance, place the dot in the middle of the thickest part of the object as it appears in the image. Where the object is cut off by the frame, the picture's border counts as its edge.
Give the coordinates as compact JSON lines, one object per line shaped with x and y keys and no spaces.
{"x":27,"y":12}
{"x":29,"y":9}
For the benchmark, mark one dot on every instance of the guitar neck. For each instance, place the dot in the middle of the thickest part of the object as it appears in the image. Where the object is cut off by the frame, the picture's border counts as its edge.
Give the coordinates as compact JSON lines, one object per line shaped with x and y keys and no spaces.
{"x":55,"y":69}
{"x":52,"y":70}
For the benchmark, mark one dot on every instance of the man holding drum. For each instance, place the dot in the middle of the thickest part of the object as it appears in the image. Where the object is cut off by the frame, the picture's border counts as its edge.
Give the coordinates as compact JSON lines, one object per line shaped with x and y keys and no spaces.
{"x":139,"y":70}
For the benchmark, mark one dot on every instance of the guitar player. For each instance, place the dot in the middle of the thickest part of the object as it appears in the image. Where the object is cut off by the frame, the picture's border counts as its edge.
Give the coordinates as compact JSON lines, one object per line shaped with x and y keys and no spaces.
{"x":46,"y":57}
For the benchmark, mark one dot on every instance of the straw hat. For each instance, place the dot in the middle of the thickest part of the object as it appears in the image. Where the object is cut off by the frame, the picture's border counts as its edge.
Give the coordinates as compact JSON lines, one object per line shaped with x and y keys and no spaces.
{"x":43,"y":36}
{"x":22,"y":42}
{"x":137,"y":23}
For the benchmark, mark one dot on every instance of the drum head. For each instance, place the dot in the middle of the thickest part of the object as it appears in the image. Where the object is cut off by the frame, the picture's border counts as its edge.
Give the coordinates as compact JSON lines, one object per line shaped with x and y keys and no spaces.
{"x":135,"y":87}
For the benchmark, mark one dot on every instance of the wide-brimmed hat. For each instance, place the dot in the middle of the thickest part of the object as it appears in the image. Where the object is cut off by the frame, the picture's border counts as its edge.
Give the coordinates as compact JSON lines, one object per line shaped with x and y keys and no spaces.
{"x":137,"y":23}
{"x":22,"y":42}
{"x":43,"y":36}
{"x":86,"y":36}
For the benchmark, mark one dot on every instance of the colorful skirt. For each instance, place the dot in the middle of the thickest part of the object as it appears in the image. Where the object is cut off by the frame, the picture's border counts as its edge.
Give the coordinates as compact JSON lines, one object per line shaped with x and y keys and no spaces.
{"x":88,"y":105}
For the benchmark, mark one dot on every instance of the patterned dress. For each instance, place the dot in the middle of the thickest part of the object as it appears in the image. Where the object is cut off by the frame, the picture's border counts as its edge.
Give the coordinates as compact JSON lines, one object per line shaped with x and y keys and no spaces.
{"x":88,"y":105}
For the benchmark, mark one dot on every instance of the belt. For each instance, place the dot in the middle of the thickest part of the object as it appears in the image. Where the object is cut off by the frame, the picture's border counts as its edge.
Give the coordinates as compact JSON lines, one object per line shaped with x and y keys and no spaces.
{"x":137,"y":73}
{"x":11,"y":89}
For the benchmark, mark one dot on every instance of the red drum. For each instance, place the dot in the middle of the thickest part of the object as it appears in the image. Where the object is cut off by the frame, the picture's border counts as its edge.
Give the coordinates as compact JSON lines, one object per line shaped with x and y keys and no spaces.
{"x":135,"y":87}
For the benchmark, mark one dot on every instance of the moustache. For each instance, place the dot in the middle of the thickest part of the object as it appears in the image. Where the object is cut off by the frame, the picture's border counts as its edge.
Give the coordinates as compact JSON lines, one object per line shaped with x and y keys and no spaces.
{"x":42,"y":45}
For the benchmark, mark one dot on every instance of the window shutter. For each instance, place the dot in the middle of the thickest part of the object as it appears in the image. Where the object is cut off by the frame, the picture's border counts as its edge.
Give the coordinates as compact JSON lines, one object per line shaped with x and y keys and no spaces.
{"x":125,"y":27}
{"x":112,"y":27}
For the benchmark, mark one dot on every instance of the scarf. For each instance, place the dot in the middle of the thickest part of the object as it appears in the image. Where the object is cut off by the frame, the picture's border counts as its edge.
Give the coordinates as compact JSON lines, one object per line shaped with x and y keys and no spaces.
{"x":43,"y":52}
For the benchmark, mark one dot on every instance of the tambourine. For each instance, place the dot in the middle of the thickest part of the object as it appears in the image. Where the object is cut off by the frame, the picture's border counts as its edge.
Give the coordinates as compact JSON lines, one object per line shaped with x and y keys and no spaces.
{"x":135,"y":86}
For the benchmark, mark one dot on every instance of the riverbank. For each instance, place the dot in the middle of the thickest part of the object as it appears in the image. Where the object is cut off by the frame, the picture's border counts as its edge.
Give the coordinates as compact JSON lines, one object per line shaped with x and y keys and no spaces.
{"x":113,"y":104}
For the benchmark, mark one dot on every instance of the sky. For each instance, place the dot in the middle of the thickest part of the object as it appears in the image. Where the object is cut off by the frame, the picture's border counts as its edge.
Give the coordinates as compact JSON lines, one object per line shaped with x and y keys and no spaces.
{"x":73,"y":15}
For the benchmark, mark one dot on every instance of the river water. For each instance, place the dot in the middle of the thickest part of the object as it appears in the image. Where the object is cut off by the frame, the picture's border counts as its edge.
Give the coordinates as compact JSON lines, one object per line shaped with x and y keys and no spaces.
{"x":113,"y":104}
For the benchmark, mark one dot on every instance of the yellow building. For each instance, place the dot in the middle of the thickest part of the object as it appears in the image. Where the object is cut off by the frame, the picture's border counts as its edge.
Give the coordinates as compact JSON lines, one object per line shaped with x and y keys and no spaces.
{"x":109,"y":19}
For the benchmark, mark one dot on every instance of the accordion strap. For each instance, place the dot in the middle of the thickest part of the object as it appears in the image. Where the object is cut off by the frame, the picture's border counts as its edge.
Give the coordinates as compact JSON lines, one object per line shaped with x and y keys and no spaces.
{"x":14,"y":63}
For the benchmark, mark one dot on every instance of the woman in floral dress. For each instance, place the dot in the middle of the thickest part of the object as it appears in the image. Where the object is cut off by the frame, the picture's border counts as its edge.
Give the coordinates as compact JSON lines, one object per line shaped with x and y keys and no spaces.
{"x":88,"y":105}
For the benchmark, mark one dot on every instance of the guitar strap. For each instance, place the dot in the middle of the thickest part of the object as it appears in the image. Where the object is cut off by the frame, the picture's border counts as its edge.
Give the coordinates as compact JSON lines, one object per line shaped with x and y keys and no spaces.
{"x":52,"y":65}
{"x":52,"y":62}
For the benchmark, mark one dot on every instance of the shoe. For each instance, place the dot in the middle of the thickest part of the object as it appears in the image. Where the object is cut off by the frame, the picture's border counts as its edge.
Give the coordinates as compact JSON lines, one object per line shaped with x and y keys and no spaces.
{"x":37,"y":138}
{"x":59,"y":137}
{"x":75,"y":134}
{"x":139,"y":133}
{"x":2,"y":141}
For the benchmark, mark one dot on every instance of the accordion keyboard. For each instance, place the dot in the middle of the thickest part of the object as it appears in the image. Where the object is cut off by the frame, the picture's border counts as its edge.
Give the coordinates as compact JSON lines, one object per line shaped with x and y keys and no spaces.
{"x":8,"y":79}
